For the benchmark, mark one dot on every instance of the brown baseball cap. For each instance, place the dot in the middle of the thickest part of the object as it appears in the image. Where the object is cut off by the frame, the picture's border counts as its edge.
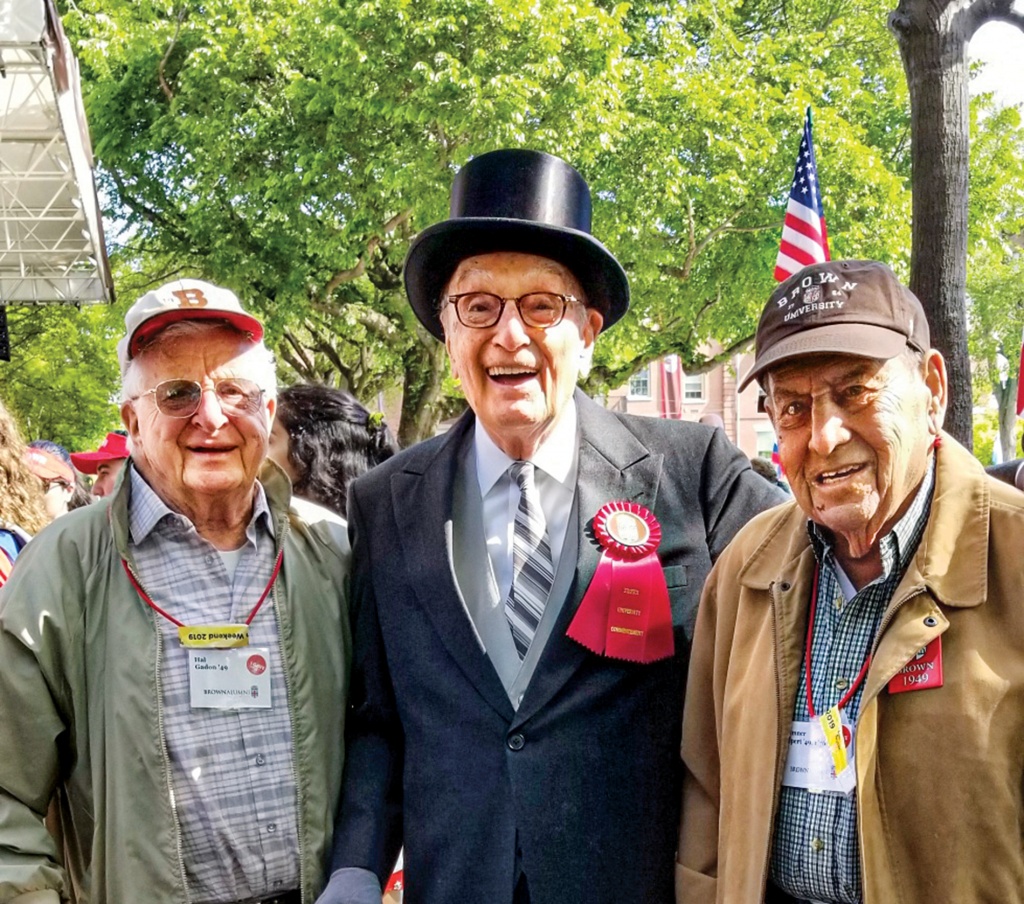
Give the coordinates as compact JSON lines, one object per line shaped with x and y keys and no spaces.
{"x":839,"y":307}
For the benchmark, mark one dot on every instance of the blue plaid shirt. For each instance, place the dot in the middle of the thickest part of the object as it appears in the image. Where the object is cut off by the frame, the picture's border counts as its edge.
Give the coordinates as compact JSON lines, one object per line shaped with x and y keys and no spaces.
{"x":815,"y":853}
{"x":232,"y":771}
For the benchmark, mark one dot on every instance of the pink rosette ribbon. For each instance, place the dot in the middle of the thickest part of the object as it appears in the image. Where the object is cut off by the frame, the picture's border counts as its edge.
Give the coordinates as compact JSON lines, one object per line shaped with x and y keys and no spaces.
{"x":625,"y":613}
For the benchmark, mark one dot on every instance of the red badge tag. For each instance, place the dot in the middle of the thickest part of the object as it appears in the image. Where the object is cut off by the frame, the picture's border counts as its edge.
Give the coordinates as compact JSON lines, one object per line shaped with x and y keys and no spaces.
{"x":924,"y":671}
{"x":625,"y":612}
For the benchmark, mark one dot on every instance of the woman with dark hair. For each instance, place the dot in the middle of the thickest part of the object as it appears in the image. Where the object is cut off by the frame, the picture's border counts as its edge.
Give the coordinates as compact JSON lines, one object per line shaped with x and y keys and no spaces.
{"x":323,"y":438}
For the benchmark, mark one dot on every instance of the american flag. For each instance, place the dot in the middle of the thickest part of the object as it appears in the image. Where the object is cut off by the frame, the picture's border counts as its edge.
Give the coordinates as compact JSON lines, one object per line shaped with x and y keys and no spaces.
{"x":804,"y":237}
{"x":780,"y":472}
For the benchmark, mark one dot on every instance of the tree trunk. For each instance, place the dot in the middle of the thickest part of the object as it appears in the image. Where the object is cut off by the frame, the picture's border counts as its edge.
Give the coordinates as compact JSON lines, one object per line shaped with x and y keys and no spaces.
{"x":933,"y":43}
{"x":1006,"y":398}
{"x":421,"y":392}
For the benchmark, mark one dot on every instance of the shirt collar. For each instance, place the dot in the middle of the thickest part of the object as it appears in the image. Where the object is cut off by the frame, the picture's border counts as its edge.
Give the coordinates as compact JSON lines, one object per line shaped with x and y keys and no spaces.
{"x":899,"y":544}
{"x":556,"y":456}
{"x":146,"y":510}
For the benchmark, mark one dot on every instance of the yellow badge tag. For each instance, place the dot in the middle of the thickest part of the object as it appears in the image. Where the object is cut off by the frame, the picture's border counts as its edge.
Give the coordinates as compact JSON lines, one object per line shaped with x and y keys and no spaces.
{"x":220,"y":637}
{"x":832,"y":725}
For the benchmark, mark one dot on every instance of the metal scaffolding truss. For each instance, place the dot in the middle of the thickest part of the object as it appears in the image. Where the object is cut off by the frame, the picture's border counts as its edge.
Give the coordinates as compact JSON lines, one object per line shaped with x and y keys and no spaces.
{"x":51,"y":233}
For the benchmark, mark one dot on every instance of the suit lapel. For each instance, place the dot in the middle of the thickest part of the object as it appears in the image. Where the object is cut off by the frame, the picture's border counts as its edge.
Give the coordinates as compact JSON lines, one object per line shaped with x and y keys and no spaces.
{"x":613,"y":465}
{"x":422,"y":497}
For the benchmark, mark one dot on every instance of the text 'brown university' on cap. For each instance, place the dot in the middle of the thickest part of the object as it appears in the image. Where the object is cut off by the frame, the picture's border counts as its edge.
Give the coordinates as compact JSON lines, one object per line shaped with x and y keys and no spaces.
{"x":839,"y":307}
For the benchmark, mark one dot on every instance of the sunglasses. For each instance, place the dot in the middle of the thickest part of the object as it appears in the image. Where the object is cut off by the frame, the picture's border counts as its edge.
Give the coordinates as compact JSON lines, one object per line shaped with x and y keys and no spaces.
{"x":181,"y":398}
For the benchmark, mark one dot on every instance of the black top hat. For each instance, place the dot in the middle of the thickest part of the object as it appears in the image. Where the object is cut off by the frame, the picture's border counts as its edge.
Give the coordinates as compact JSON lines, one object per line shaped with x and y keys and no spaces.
{"x":515,"y":200}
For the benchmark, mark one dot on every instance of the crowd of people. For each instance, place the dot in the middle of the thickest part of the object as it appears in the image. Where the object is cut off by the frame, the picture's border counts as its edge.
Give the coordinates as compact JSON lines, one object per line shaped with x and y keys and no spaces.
{"x":557,"y":653}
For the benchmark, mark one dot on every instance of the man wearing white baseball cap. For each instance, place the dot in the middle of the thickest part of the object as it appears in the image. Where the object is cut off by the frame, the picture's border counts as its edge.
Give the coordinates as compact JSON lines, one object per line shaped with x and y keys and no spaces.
{"x":177,"y":684}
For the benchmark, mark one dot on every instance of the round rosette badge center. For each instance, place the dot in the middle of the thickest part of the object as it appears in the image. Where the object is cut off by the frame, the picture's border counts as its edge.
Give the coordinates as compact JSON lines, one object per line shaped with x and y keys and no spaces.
{"x":627,"y":529}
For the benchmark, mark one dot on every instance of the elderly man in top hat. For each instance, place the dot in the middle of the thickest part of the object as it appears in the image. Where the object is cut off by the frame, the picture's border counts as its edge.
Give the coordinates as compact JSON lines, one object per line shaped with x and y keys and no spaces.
{"x":526,"y":584}
{"x":104,"y":464}
{"x":855,"y":706}
{"x":175,"y":656}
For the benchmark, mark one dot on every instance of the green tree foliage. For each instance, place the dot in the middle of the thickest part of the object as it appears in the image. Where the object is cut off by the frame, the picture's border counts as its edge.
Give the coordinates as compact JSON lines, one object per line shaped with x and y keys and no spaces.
{"x":701,"y":176}
{"x":62,"y":378}
{"x":291,"y":150}
{"x":933,"y":37}
{"x":995,"y":268}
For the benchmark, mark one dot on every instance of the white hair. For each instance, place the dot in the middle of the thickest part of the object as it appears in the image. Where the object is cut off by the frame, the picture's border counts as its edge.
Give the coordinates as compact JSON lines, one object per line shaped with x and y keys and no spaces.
{"x":257,"y":361}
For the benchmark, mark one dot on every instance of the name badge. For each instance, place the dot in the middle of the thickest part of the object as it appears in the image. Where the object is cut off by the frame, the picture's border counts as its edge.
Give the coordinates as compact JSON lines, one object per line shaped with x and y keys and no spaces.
{"x":810,"y":764}
{"x":236,"y":678}
{"x":923,"y":672}
{"x":220,"y":637}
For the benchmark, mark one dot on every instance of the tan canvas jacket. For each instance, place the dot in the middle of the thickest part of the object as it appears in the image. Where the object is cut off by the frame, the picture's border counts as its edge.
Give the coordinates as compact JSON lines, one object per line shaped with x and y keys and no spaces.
{"x":939,"y":771}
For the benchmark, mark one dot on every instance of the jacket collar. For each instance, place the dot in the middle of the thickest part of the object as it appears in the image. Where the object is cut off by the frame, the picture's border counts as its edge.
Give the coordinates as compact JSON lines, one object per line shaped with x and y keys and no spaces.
{"x":276,"y":487}
{"x":613,"y":464}
{"x":958,"y":526}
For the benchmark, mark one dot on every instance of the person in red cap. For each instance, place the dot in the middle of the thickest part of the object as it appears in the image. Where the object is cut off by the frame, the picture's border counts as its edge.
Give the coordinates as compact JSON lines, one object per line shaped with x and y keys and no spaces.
{"x":175,"y":655}
{"x":105,"y":463}
{"x":854,"y":729}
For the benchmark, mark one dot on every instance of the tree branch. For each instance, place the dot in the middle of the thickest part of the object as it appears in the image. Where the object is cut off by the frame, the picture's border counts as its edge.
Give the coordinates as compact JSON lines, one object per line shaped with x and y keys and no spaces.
{"x":163,"y":63}
{"x":148,"y":213}
{"x":298,"y":350}
{"x":344,"y":276}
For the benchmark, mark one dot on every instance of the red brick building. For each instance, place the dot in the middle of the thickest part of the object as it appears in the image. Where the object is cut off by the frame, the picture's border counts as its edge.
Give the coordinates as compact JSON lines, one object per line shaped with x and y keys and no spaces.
{"x":660,"y":390}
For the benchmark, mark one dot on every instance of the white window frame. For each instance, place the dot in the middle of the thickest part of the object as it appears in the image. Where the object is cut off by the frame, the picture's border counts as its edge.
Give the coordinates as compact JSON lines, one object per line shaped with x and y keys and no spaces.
{"x":630,"y":394}
{"x":687,"y":397}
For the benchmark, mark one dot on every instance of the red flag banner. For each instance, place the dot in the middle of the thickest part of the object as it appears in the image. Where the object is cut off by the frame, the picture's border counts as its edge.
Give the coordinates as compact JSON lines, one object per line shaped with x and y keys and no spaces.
{"x":804,"y":236}
{"x":1020,"y":380}
{"x":671,"y":397}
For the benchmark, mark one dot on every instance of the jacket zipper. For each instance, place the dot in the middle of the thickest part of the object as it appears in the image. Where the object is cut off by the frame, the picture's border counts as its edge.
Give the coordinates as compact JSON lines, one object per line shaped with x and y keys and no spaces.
{"x":163,"y":743}
{"x":299,"y":810}
{"x":779,"y":739}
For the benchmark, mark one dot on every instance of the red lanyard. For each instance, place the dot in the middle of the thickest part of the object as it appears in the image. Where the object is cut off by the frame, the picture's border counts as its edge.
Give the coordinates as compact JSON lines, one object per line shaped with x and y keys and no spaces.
{"x":807,"y":656}
{"x":171,"y":618}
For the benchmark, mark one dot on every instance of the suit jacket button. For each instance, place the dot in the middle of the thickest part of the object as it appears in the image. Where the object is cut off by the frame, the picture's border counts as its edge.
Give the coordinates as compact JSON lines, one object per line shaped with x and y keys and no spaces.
{"x":516,"y":742}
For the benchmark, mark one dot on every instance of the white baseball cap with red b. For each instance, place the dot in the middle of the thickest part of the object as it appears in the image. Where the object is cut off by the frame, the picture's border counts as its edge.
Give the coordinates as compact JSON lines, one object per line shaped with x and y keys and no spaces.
{"x":182,"y":299}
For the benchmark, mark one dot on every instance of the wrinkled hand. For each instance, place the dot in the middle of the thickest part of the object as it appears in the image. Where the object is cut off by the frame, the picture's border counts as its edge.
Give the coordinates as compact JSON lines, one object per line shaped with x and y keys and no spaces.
{"x":348,"y":886}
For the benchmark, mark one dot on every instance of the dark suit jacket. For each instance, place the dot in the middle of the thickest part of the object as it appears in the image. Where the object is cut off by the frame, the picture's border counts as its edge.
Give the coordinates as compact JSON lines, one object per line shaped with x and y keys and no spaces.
{"x":1007,"y":471}
{"x":585,"y":776}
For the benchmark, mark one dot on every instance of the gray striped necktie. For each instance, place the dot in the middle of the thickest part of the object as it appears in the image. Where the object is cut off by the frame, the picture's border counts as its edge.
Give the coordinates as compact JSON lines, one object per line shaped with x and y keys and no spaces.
{"x":532,"y":568}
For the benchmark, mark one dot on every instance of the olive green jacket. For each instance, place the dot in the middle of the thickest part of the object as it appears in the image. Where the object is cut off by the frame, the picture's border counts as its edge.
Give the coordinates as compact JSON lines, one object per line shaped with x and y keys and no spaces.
{"x":81,"y":709}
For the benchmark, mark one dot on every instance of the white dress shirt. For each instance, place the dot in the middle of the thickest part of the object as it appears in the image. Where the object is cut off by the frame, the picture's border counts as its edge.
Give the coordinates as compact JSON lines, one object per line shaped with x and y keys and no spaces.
{"x":555,"y":462}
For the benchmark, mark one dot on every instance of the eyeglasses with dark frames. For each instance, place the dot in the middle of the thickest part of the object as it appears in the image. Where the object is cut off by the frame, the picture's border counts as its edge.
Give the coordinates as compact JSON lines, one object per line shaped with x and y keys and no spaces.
{"x":181,"y":398}
{"x":541,"y":310}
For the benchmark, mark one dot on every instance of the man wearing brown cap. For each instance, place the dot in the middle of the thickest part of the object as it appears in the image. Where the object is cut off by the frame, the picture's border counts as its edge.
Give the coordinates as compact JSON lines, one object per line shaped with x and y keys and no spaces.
{"x":104,"y":464}
{"x":524,"y":586}
{"x":854,"y":725}
{"x":175,"y":656}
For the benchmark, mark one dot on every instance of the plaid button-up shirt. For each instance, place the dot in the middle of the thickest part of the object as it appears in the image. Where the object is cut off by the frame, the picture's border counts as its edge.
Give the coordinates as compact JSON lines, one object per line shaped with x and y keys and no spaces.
{"x":815,"y":853}
{"x":232,"y":771}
